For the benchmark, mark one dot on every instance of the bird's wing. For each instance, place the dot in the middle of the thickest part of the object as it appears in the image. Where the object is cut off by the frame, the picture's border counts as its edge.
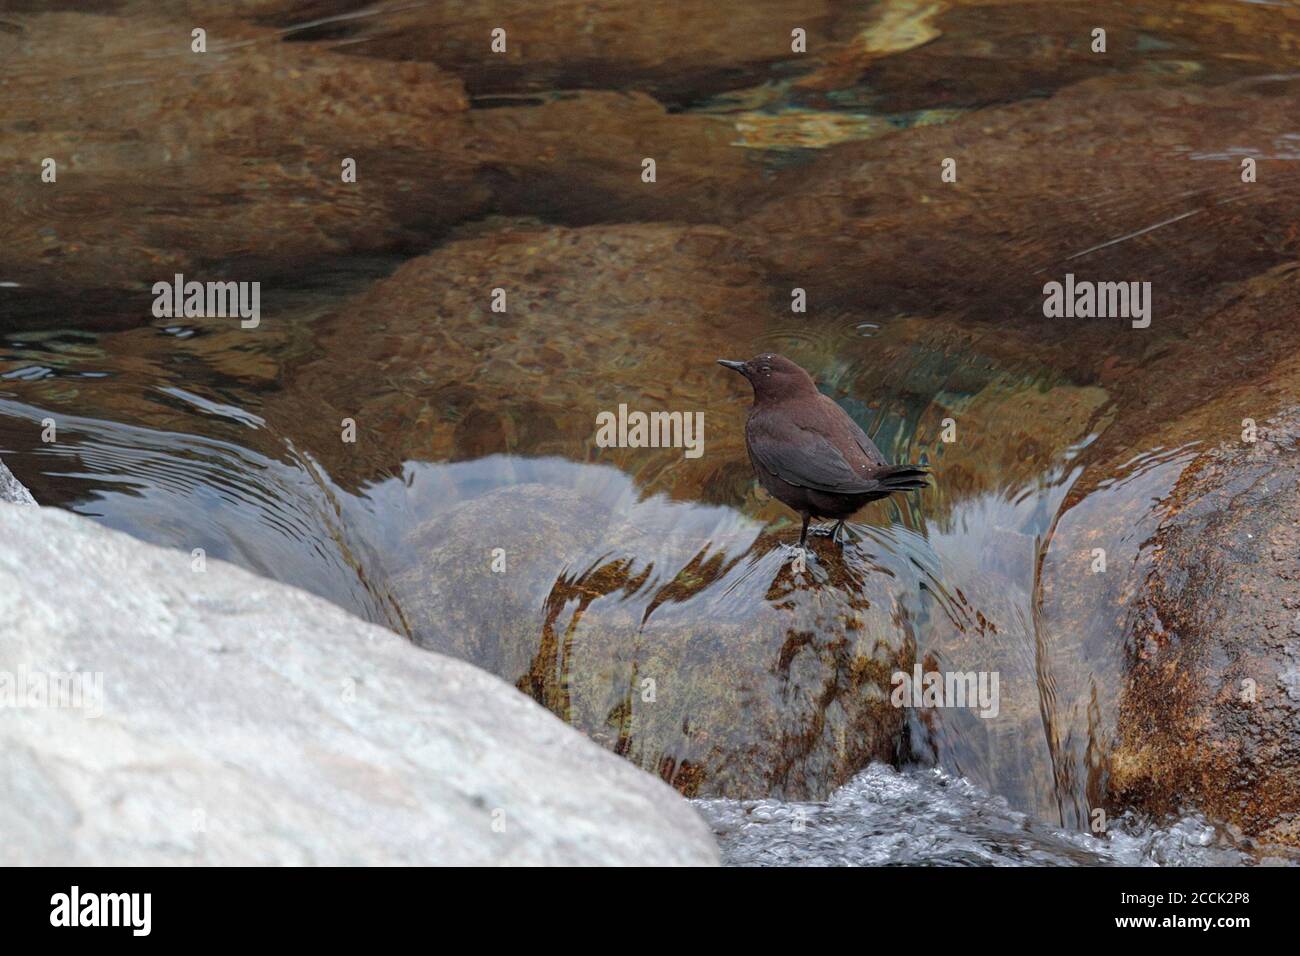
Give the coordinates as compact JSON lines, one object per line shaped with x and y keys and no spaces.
{"x":802,"y":457}
{"x":853,"y":428}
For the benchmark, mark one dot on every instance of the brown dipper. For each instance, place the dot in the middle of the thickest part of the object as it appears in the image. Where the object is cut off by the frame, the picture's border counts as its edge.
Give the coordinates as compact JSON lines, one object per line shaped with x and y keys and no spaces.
{"x":807,"y":451}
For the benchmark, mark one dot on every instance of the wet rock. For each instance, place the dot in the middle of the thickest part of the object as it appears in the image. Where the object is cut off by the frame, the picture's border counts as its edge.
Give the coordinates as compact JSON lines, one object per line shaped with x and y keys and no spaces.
{"x":1210,"y":713}
{"x":1020,"y":539}
{"x":226,"y":719}
{"x":675,"y":635}
{"x":12,"y":490}
{"x":226,"y":163}
{"x":1172,"y":416}
{"x":1091,"y":569}
{"x":897,"y":64}
{"x":496,"y":622}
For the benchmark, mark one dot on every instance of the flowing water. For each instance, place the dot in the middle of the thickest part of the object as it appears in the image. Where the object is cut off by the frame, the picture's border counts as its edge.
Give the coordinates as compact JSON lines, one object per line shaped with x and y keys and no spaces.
{"x":646,"y":596}
{"x":928,"y":818}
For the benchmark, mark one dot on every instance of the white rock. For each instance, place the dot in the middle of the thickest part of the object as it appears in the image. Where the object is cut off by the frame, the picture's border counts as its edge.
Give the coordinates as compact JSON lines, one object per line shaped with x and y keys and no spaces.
{"x":246,"y":722}
{"x":12,"y":490}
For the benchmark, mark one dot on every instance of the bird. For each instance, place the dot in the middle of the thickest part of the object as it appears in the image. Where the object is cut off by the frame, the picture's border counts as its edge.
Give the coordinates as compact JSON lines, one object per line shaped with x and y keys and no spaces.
{"x":807,"y":452}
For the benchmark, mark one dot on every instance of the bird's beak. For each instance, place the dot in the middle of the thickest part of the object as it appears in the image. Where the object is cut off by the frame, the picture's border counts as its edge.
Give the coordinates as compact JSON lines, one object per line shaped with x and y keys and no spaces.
{"x":734,"y":366}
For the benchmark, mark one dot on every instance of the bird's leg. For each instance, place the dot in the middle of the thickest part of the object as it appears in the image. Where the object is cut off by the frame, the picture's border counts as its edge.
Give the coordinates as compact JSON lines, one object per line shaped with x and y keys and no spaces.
{"x":838,"y":531}
{"x":803,"y":535}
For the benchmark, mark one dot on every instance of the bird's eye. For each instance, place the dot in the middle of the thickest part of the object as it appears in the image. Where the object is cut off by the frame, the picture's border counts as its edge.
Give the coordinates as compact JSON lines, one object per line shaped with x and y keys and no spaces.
{"x":765,"y":369}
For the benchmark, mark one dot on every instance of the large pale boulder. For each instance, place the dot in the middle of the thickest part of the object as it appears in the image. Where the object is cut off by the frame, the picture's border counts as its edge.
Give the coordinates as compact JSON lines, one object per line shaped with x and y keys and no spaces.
{"x":219,"y":718}
{"x":12,"y":490}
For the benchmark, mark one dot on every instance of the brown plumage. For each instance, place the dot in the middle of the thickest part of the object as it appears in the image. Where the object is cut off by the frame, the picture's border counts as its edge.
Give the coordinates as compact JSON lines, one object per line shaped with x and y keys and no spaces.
{"x":807,"y":452}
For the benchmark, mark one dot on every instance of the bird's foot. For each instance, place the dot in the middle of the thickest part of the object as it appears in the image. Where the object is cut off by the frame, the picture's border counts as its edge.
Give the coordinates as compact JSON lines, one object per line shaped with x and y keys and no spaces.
{"x":797,"y":553}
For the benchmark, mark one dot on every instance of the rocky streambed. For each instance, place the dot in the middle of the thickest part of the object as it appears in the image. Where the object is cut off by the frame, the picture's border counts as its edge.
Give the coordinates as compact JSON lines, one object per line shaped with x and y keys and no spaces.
{"x":1112,"y":525}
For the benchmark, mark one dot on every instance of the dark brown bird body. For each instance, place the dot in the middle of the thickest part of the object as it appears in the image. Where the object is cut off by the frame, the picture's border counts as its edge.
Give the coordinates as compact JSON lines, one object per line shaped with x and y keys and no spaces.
{"x":807,"y":452}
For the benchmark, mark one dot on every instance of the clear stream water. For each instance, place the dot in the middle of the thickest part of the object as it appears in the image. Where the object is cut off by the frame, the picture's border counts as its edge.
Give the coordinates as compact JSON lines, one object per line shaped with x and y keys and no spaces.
{"x":192,"y":433}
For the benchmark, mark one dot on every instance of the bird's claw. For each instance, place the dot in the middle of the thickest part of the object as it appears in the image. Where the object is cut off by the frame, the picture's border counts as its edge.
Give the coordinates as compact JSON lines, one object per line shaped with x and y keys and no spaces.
{"x":795,"y":551}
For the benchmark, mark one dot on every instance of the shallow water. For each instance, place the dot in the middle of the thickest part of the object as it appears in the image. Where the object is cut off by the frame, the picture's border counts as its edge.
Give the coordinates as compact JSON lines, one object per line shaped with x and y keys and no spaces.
{"x":622,"y":566}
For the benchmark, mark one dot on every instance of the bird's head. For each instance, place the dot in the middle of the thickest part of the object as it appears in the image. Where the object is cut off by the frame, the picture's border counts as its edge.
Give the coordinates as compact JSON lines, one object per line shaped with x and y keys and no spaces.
{"x":773,"y":376}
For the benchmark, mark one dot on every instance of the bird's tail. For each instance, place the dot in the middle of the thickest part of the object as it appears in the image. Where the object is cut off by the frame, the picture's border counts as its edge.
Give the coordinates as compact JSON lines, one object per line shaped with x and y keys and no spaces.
{"x":903,"y":477}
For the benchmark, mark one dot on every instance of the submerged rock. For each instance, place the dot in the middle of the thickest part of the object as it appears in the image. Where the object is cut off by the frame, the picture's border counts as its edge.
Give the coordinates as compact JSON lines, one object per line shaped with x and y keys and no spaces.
{"x":593,"y":318}
{"x":1182,"y":390}
{"x":927,"y":54}
{"x":577,"y":158}
{"x":1039,"y":194}
{"x":675,"y":52}
{"x":226,"y":163}
{"x":159,"y":715}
